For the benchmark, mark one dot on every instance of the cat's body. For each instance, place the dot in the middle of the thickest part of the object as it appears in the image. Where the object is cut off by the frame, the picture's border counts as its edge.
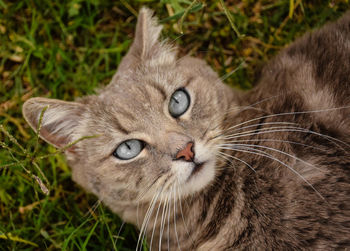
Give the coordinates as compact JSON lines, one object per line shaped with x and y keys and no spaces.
{"x":286,"y":129}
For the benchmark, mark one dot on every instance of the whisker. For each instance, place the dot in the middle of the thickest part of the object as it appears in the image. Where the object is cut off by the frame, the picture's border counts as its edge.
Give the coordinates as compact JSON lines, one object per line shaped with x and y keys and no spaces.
{"x":264,"y":154}
{"x":290,"y":113}
{"x":146,"y":221}
{"x":173,"y":41}
{"x":265,"y":123}
{"x":220,"y":154}
{"x":229,"y":156}
{"x":177,"y":237}
{"x":150,"y":186}
{"x":182,"y":215}
{"x":275,"y":150}
{"x":162,"y":223}
{"x":224,"y":135}
{"x":241,"y":108}
{"x":234,"y":135}
{"x":169,"y":212}
{"x":147,"y":215}
{"x":274,"y":140}
{"x":119,"y":231}
{"x":155,"y":223}
{"x":143,"y":194}
{"x":329,"y":138}
{"x":244,"y":108}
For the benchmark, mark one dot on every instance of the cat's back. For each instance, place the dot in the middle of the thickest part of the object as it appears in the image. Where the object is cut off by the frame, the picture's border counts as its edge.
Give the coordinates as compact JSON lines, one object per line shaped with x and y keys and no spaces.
{"x":314,"y":71}
{"x":303,"y":180}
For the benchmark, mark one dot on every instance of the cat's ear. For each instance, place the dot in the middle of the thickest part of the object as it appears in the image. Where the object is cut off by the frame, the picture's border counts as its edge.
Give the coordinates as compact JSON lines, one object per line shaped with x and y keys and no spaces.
{"x":146,"y":44}
{"x":146,"y":35}
{"x":59,"y":120}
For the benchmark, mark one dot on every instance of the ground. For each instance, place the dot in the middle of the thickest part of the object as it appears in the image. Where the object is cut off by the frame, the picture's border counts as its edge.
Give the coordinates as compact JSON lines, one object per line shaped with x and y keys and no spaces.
{"x":66,"y":49}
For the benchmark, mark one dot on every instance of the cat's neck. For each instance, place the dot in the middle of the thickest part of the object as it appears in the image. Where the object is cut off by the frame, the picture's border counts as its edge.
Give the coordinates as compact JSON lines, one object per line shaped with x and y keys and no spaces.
{"x":178,"y":222}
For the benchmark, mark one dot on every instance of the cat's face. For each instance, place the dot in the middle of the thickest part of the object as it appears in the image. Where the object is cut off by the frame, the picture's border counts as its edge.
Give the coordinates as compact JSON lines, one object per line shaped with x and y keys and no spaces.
{"x":156,"y":124}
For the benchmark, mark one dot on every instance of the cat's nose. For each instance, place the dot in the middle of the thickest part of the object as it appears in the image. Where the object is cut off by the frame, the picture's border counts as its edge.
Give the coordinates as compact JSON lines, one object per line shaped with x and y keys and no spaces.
{"x":186,"y":153}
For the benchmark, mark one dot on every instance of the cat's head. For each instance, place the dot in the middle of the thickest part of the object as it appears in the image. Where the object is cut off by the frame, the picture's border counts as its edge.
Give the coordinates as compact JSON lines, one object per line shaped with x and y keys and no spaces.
{"x":156,"y":124}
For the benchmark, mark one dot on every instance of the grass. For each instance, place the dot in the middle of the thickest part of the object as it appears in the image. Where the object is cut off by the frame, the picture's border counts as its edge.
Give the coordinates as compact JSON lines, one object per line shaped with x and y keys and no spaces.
{"x":66,"y":49}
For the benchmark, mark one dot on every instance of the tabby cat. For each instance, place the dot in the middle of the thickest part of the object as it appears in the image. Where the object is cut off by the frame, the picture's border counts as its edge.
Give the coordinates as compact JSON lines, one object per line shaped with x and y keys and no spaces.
{"x":196,"y":165}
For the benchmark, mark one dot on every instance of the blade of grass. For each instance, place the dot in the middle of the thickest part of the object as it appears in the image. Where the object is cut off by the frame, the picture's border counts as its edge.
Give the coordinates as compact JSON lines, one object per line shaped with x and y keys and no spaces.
{"x":5,"y":146}
{"x":44,"y":188}
{"x":230,"y":19}
{"x":129,"y":7}
{"x":65,"y":147}
{"x":108,"y":228}
{"x":17,"y":239}
{"x":89,"y":236}
{"x":41,"y":184}
{"x":39,"y":129}
{"x":291,"y":8}
{"x":66,"y":242}
{"x":12,"y":139}
{"x":17,"y":123}
{"x":187,"y":10}
{"x":8,"y":165}
{"x":195,"y":8}
{"x":3,"y":5}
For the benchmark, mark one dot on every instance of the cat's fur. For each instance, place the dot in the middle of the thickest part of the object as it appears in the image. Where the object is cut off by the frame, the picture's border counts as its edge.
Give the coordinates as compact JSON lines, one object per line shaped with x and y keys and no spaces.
{"x":297,"y":196}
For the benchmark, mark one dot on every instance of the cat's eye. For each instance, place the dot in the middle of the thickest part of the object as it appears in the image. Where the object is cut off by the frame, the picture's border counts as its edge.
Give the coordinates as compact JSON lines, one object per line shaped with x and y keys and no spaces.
{"x":179,"y":102}
{"x":128,"y":149}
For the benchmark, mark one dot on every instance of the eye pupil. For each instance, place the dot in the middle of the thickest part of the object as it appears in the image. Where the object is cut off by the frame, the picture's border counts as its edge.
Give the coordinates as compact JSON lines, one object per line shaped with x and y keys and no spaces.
{"x":175,"y":100}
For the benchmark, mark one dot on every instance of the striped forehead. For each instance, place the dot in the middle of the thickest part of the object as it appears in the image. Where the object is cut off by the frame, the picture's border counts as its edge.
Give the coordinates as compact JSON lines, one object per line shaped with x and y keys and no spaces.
{"x":131,"y":109}
{"x":138,"y":101}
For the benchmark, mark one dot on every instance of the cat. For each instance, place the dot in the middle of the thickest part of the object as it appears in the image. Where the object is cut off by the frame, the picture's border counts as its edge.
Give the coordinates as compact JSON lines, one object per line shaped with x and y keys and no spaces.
{"x":196,"y":165}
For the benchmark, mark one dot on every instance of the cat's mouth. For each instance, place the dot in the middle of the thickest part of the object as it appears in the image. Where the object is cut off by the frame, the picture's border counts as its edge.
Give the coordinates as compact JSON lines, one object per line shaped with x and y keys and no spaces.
{"x":196,"y":169}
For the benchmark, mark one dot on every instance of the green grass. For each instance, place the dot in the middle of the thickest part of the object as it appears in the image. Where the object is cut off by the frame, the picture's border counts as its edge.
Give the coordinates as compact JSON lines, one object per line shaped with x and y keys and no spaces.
{"x":66,"y":49}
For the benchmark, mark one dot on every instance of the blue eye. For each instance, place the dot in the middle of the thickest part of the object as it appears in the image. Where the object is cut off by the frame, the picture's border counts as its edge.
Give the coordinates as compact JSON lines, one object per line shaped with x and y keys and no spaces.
{"x":128,"y":149}
{"x":179,"y":103}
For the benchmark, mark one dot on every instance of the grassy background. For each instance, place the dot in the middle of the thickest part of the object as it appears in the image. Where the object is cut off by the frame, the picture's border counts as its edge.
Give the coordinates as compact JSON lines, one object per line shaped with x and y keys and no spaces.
{"x":65,"y":49}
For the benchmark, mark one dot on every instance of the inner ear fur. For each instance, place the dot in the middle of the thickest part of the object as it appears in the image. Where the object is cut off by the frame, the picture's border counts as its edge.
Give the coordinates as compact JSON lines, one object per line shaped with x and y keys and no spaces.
{"x":59,"y":121}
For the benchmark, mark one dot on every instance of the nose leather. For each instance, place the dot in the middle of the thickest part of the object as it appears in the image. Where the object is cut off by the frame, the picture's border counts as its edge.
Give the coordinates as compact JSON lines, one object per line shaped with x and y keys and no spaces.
{"x":186,"y":153}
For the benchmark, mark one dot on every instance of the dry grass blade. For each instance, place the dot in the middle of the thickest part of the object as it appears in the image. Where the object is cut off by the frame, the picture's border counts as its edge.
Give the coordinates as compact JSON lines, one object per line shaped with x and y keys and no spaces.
{"x":8,"y":165}
{"x":17,"y":239}
{"x":43,"y":188}
{"x":41,"y":184}
{"x":185,"y":15}
{"x":17,"y":123}
{"x":39,"y":128}
{"x":5,"y":146}
{"x":66,"y":147}
{"x":230,"y":19}
{"x":12,"y":139}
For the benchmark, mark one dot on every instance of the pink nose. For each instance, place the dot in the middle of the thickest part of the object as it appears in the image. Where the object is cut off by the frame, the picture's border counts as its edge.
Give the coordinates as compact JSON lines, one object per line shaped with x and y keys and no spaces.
{"x":186,"y":153}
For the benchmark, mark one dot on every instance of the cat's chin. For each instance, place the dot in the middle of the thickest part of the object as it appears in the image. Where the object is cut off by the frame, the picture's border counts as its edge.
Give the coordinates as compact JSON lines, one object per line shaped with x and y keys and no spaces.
{"x":200,"y":177}
{"x":194,"y":177}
